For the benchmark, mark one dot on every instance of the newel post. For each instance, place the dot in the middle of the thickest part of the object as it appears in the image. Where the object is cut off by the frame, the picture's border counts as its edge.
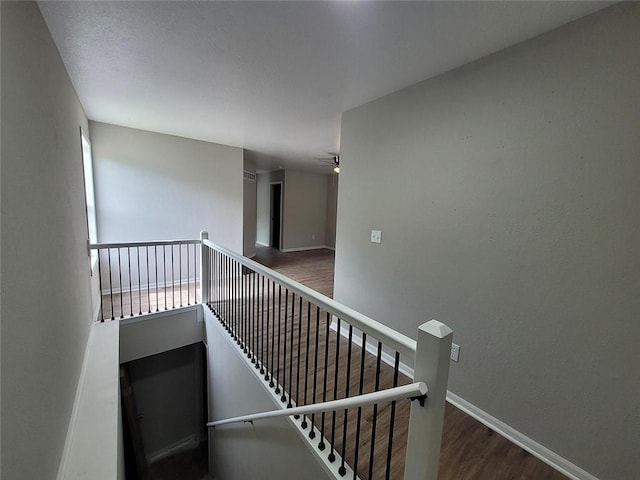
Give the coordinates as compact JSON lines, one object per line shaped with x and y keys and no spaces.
{"x":204,"y":268}
{"x":425,"y":422}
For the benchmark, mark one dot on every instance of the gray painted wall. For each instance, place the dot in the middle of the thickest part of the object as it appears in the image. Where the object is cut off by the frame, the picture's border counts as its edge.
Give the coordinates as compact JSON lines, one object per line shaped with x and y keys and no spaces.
{"x":332,"y":210}
{"x":250,"y":216}
{"x":44,"y":334}
{"x":305,"y":210}
{"x":264,"y":205}
{"x":267,"y":449}
{"x":151,"y":186}
{"x":510,"y":212}
{"x":305,"y":207}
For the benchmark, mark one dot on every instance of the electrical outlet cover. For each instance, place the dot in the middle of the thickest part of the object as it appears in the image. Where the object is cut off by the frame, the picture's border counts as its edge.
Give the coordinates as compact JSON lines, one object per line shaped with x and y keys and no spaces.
{"x":455,"y":352}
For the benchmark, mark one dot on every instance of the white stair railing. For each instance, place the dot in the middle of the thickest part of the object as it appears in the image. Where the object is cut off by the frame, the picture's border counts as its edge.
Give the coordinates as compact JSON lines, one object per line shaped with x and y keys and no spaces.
{"x":417,"y":390}
{"x":425,"y":424}
{"x":266,"y":313}
{"x":137,"y":278}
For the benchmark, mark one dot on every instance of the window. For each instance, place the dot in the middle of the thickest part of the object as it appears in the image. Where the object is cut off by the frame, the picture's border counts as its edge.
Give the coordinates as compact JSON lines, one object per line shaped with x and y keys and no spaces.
{"x":87,"y":164}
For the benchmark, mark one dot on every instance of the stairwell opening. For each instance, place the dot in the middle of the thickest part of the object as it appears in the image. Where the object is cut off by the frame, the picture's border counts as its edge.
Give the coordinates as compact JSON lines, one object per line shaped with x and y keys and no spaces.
{"x":164,"y":402}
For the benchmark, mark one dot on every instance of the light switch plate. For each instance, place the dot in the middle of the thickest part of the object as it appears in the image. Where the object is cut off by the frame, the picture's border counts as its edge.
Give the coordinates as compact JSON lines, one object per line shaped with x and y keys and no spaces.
{"x":376,"y":236}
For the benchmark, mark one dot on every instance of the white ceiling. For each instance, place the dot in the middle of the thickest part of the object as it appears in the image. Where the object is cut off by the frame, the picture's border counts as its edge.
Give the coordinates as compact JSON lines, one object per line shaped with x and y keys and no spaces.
{"x":273,"y":77}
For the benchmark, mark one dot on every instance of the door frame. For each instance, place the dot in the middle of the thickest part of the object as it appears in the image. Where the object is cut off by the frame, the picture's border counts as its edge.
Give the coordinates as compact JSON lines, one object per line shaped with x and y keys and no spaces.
{"x":271,"y":184}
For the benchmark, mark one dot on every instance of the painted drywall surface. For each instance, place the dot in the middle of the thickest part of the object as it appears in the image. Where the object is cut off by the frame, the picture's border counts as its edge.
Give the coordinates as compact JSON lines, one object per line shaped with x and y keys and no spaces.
{"x":151,"y":186}
{"x":44,"y":234}
{"x":275,"y":450}
{"x":164,"y":387}
{"x":144,"y":336}
{"x":305,"y":210}
{"x":509,"y":212}
{"x":250,"y":216}
{"x":332,"y":210}
{"x":263,"y":202}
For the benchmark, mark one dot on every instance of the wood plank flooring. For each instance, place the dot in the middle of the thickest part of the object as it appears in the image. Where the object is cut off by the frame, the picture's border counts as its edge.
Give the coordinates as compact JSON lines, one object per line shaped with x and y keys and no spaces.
{"x":313,"y":268}
{"x":149,"y":300}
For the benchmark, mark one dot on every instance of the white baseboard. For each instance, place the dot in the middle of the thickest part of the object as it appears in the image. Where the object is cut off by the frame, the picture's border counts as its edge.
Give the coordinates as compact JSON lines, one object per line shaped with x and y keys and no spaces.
{"x":539,"y":451}
{"x":303,"y":249}
{"x":186,"y":443}
{"x":372,"y":348}
{"x":298,"y":249}
{"x":151,"y":286}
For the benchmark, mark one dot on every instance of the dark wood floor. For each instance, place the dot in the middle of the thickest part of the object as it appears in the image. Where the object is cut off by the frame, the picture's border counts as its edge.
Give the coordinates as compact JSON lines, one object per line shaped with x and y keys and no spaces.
{"x":313,"y":268}
{"x":470,"y":451}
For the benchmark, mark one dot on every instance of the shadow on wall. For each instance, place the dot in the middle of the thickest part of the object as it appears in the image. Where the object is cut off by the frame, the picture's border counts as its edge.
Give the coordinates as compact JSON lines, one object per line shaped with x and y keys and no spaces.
{"x":164,"y":408}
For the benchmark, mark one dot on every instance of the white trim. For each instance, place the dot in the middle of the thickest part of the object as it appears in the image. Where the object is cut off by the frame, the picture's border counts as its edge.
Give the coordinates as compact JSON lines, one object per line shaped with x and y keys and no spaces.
{"x":62,"y":469}
{"x":371,"y":348}
{"x":302,"y":249}
{"x":161,"y":313}
{"x":252,"y":255}
{"x":416,"y":389}
{"x":392,"y":338}
{"x":298,"y":249}
{"x":89,"y":186}
{"x":281,"y":232}
{"x":539,"y":451}
{"x":186,"y":443}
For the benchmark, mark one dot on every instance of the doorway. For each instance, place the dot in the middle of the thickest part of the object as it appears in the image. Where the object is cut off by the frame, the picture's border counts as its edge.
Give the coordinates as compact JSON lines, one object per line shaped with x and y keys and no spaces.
{"x":275,"y":214}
